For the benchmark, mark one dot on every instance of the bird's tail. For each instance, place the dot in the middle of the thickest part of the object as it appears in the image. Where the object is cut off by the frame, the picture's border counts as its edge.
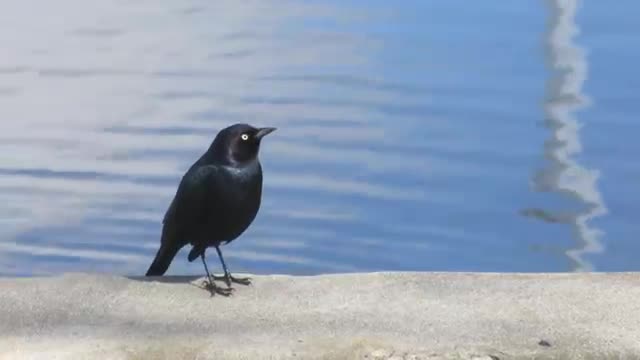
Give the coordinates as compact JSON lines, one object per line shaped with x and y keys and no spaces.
{"x":163,"y":259}
{"x":168,"y":249}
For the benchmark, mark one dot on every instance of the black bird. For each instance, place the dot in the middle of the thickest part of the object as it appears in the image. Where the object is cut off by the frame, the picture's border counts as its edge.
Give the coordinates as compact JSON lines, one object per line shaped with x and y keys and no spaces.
{"x":216,"y":201}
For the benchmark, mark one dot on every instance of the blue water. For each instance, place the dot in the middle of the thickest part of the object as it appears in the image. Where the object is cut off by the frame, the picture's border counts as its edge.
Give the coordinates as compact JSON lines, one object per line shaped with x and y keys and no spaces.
{"x":412,"y":135}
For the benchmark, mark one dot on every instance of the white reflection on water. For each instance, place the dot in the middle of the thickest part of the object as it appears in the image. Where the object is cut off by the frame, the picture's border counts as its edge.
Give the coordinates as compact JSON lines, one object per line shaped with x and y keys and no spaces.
{"x":563,"y":174}
{"x":385,"y":129}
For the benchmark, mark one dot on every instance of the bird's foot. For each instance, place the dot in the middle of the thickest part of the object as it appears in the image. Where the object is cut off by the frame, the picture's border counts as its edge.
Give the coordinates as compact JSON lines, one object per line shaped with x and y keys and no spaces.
{"x":213,"y":289}
{"x":228,"y":279}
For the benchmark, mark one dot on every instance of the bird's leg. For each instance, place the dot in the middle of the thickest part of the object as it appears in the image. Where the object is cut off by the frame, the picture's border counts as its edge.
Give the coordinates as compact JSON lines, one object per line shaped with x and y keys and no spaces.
{"x":227,"y":275}
{"x":210,"y":285}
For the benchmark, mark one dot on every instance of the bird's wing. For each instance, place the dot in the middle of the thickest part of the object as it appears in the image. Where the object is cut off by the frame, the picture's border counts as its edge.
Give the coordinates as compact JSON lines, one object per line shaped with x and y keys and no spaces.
{"x":193,"y":198}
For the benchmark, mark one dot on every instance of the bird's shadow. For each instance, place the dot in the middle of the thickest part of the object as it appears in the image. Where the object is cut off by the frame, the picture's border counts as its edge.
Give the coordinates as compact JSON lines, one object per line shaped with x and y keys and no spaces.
{"x":181,"y":279}
{"x":174,"y":279}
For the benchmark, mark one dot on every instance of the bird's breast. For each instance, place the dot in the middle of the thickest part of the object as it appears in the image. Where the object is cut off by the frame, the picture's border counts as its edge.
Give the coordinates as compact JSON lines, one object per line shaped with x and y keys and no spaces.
{"x":237,"y":205}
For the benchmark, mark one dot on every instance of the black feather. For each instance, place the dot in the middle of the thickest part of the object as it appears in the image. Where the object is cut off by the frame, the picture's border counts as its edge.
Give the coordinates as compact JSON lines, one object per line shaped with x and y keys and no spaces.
{"x":217,"y":199}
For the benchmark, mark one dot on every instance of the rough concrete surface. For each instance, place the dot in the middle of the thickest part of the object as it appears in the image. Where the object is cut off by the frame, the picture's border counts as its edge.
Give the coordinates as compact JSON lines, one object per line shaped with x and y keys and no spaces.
{"x":481,"y":316}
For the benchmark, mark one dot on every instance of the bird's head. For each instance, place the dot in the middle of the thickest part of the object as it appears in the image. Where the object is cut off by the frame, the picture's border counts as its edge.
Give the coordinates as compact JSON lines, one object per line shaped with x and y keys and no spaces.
{"x":239,"y":143}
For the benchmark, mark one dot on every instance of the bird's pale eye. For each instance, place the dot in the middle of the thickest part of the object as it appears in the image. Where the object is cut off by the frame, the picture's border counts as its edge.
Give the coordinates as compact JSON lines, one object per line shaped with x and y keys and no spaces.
{"x":244,"y":137}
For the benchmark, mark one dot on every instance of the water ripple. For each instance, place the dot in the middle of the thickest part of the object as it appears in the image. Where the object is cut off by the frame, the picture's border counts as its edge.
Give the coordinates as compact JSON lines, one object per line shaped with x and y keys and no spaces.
{"x":405,"y":141}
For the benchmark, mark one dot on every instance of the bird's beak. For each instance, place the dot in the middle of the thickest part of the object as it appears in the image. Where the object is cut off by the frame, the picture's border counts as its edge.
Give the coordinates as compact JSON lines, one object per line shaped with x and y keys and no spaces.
{"x":262,"y":132}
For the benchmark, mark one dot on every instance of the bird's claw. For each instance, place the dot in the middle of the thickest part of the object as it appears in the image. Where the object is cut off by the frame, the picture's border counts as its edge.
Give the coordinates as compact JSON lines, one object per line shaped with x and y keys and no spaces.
{"x":213,"y":289}
{"x":228,"y":279}
{"x":241,"y":281}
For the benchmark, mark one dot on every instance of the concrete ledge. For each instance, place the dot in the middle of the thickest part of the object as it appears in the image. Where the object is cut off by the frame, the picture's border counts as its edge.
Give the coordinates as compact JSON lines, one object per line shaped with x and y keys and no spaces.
{"x":348,"y":316}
